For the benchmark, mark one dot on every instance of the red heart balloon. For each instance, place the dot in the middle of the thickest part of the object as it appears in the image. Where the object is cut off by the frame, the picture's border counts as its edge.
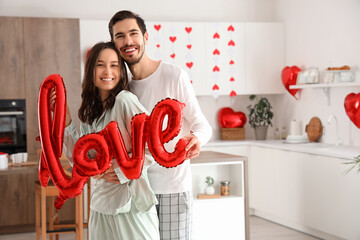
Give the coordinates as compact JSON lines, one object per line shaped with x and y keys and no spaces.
{"x":352,"y":108}
{"x":288,"y":77}
{"x":229,"y":119}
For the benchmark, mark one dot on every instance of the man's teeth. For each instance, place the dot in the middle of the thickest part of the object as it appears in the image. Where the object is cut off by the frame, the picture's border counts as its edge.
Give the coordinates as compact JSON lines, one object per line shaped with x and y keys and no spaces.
{"x":107,"y":79}
{"x":130,"y":49}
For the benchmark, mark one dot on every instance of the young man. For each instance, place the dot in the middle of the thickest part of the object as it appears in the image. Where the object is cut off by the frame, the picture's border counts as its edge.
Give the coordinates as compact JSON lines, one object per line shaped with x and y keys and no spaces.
{"x":151,"y":81}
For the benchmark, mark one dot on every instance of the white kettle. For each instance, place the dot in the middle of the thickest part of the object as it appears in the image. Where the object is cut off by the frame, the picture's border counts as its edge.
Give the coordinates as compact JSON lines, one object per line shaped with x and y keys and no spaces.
{"x":3,"y":160}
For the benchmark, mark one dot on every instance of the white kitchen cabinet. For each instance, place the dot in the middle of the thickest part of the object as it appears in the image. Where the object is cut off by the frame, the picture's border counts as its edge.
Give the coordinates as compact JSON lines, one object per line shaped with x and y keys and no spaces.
{"x":223,"y":58}
{"x":230,"y":149}
{"x":225,"y":217}
{"x":265,"y":57}
{"x":310,"y":193}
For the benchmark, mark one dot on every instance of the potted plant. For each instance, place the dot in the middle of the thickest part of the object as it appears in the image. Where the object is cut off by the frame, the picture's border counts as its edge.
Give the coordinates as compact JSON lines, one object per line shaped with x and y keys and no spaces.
{"x":260,"y":116}
{"x":209,"y":190}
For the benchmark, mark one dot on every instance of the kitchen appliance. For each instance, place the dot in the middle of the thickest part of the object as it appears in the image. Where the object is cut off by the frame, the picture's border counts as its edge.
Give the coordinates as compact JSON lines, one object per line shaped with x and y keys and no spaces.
{"x":12,"y":126}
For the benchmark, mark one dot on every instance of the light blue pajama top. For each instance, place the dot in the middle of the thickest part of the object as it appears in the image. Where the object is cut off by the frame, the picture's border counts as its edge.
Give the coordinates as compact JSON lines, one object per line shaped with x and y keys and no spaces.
{"x":109,"y":198}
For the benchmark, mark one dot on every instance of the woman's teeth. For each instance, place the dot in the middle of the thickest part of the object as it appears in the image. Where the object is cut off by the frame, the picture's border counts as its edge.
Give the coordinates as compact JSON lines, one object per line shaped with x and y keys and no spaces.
{"x":107,"y":79}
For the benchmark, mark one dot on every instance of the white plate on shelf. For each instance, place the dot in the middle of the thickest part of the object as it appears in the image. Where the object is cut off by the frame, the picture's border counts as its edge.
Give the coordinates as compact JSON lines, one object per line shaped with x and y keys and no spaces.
{"x":296,"y":139}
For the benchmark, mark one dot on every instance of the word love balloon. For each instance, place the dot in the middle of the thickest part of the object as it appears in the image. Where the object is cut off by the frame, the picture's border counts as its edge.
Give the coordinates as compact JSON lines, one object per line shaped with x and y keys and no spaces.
{"x":289,"y":77}
{"x":108,"y":143}
{"x":352,"y":108}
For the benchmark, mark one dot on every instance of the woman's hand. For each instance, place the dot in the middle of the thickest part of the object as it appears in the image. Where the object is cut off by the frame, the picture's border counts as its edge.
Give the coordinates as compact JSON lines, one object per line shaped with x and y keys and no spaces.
{"x":52,"y":107}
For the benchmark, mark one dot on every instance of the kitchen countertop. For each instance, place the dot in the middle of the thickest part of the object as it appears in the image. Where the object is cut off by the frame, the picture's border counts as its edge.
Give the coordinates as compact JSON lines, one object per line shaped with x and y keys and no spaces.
{"x":19,"y":170}
{"x":324,"y":149}
{"x":212,"y":158}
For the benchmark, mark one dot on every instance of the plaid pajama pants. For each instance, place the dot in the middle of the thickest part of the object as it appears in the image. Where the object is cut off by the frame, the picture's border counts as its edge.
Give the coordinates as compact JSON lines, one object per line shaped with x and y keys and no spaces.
{"x":175,"y":215}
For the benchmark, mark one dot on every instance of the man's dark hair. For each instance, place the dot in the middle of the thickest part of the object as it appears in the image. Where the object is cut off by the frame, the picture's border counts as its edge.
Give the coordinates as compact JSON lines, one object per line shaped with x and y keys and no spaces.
{"x":122,"y":15}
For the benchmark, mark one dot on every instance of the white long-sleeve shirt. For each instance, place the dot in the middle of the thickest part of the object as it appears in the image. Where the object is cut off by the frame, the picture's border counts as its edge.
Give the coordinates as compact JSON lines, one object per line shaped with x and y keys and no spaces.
{"x":173,"y":82}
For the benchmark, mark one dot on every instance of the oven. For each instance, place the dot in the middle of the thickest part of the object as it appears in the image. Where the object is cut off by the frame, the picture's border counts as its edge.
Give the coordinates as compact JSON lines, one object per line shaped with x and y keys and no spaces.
{"x":12,"y":126}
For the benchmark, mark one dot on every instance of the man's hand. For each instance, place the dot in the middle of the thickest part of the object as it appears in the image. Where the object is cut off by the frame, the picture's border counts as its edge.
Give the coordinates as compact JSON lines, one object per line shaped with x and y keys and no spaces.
{"x":193,"y":146}
{"x":109,"y":176}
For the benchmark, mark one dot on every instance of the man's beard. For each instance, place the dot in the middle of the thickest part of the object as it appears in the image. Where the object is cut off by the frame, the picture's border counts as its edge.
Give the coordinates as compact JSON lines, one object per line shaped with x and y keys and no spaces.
{"x":135,"y":61}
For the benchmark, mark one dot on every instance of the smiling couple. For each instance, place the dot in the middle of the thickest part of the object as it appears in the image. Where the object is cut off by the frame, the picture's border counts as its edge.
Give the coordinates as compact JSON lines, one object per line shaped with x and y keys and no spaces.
{"x":158,"y":205}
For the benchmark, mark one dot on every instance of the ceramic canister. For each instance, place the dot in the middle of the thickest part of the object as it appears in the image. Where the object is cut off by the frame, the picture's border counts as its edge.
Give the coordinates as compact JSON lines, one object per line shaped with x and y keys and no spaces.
{"x":3,"y":160}
{"x":294,"y":128}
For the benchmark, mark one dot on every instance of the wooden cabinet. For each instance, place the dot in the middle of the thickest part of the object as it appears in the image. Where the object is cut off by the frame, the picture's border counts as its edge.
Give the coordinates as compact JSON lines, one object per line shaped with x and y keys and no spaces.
{"x":12,"y":73}
{"x":30,"y":50}
{"x":52,"y":46}
{"x":17,"y":204}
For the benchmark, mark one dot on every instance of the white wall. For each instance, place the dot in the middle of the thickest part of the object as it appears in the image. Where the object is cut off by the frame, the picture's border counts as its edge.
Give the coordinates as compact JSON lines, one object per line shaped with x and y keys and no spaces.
{"x":155,"y":10}
{"x":321,"y":33}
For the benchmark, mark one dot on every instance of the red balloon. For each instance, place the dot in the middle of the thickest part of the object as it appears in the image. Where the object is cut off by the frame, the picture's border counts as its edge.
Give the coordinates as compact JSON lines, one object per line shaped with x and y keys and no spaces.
{"x":131,"y":167}
{"x":51,"y":138}
{"x":156,"y":137}
{"x":289,"y":77}
{"x":108,"y":143}
{"x":352,"y":108}
{"x":228,"y":118}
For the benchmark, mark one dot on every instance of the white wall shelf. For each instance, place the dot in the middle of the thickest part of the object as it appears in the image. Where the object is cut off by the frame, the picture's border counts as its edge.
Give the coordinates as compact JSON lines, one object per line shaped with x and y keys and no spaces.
{"x":326,"y":87}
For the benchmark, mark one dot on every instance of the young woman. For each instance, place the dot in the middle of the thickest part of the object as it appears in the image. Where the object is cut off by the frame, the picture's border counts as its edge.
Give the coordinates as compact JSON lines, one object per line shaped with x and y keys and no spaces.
{"x":126,"y":209}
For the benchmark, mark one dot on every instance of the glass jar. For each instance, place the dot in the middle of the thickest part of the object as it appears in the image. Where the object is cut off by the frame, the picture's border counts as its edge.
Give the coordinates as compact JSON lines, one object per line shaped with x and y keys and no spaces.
{"x":225,"y":188}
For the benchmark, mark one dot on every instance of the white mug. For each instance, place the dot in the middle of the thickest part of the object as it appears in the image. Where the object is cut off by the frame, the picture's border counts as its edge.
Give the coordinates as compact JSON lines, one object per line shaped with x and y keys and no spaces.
{"x":3,"y":160}
{"x":18,"y":157}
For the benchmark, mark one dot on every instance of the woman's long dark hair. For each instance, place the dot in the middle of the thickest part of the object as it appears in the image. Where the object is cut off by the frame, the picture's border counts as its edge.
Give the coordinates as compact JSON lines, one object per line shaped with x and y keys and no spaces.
{"x":91,"y":105}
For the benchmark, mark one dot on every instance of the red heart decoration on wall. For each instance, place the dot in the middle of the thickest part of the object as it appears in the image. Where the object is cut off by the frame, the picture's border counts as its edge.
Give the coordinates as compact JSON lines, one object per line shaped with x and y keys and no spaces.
{"x":172,"y":55}
{"x":216,"y":69}
{"x":231,"y":43}
{"x":216,"y":35}
{"x":231,"y":28}
{"x":231,"y":62}
{"x":352,"y":108}
{"x":232,"y":93}
{"x":228,"y":118}
{"x":215,"y":87}
{"x":189,"y":64}
{"x":188,"y":29}
{"x":157,"y":27}
{"x":288,"y":77}
{"x":216,"y":52}
{"x":157,"y":45}
{"x":232,"y":79}
{"x":189,"y":46}
{"x":172,"y":39}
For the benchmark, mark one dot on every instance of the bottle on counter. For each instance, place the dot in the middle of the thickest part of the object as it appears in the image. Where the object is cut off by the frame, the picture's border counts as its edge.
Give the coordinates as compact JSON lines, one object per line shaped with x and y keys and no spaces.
{"x":283,"y":133}
{"x":277,"y":134}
